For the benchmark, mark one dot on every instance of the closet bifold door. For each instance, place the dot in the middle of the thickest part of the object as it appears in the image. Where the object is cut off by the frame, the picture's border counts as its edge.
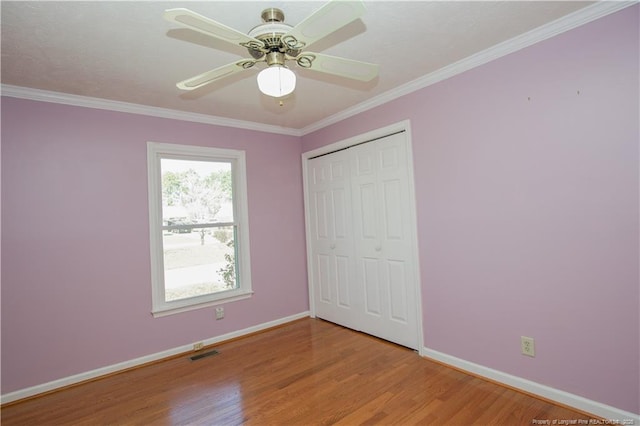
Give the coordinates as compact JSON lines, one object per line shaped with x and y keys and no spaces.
{"x":361,"y":246}
{"x":333,"y":274}
{"x":383,"y":243}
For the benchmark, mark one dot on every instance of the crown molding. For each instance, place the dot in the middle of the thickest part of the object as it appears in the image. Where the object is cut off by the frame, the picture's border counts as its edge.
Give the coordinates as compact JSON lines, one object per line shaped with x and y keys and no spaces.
{"x":105,"y":104}
{"x":551,"y":29}
{"x":573,"y":20}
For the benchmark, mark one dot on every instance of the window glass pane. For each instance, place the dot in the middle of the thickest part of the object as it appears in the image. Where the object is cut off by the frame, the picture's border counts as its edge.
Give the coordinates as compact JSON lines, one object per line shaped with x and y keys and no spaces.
{"x":198,"y":262}
{"x":196,"y":192}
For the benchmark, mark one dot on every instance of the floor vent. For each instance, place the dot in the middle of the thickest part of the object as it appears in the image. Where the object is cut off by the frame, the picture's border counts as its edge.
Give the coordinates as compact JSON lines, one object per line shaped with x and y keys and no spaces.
{"x":204,"y":355}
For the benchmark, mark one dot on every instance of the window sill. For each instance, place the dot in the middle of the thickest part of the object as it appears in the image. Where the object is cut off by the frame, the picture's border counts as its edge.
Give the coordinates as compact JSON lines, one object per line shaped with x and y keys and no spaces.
{"x":164,"y":311}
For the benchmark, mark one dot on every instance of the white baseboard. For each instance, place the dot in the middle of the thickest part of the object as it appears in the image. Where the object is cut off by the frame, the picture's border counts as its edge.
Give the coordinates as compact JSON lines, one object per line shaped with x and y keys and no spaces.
{"x":77,"y":378}
{"x":583,"y":404}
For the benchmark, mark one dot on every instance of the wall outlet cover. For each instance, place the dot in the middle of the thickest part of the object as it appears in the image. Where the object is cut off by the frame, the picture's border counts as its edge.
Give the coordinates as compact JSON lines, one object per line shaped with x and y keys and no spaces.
{"x":527,"y":346}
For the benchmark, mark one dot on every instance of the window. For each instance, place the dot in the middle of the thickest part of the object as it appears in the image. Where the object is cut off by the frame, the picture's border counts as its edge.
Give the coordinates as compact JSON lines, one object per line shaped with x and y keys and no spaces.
{"x":199,"y":229}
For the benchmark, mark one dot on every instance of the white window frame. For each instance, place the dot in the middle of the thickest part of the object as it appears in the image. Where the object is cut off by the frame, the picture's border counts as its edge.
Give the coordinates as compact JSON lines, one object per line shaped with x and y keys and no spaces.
{"x":157,"y":151}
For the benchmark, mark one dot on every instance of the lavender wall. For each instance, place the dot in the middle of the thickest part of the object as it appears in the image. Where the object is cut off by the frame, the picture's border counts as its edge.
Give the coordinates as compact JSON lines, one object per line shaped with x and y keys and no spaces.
{"x":76,"y":292}
{"x":528,"y":209}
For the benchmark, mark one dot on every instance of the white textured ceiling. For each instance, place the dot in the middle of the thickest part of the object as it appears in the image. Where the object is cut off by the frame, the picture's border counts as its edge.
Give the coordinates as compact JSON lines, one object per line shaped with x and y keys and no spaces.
{"x":125,"y":51}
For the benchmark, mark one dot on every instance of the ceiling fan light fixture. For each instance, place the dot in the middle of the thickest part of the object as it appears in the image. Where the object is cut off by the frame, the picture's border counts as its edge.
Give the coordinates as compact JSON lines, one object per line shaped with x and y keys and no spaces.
{"x":276,"y":42}
{"x":276,"y":81}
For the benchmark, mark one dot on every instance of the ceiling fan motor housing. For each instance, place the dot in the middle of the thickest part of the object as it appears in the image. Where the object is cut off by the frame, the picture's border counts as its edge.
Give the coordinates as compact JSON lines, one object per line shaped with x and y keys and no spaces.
{"x":270,"y":33}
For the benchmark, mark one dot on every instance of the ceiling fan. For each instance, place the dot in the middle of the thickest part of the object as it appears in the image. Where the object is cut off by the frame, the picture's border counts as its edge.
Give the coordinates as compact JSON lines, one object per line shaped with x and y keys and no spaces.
{"x":277,"y":43}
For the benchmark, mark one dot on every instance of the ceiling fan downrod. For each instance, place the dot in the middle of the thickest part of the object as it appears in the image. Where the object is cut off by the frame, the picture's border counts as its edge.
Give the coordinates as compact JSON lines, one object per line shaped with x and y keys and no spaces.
{"x":272,"y":14}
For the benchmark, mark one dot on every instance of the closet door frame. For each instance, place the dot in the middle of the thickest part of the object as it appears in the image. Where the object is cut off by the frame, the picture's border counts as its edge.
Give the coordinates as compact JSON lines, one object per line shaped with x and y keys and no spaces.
{"x":401,"y":126}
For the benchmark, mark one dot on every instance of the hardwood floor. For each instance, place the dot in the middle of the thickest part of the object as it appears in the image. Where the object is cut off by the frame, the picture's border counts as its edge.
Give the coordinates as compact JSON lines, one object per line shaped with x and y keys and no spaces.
{"x":309,"y":372}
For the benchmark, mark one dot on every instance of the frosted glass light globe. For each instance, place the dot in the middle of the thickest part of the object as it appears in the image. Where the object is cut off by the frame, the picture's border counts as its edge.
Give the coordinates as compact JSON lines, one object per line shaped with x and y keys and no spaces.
{"x":276,"y":81}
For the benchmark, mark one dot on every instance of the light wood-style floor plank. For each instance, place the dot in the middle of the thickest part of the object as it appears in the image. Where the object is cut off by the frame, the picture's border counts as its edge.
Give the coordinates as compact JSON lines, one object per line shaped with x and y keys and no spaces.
{"x":309,"y":372}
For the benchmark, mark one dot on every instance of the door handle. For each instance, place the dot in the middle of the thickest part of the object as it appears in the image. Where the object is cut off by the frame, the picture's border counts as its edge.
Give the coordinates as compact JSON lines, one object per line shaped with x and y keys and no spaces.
{"x":378,"y":248}
{"x":332,"y":246}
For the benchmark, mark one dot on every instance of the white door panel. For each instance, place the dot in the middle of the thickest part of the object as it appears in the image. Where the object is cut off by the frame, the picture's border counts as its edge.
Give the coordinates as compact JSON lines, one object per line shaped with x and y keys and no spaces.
{"x":343,"y":278}
{"x":370,"y":277}
{"x":322,"y":231}
{"x":392,"y":202}
{"x":324,"y":278}
{"x":396,"y":274}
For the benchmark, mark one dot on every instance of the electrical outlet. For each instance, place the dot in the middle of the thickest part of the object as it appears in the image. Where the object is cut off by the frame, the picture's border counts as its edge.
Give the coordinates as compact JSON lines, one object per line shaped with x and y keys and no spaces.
{"x":219,"y":312}
{"x":527,"y":346}
{"x":198,"y":346}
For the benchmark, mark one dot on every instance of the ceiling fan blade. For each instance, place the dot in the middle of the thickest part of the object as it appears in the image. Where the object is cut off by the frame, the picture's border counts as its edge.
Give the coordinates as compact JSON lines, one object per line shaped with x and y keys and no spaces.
{"x":213,"y":75}
{"x":195,"y":21}
{"x":329,"y":18}
{"x":356,"y":70}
